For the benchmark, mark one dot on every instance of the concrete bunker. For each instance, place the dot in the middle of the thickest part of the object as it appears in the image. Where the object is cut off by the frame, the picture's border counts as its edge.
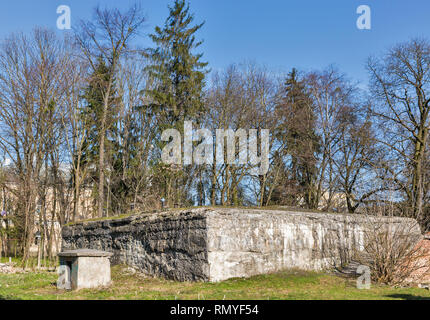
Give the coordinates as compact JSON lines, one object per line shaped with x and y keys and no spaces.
{"x":214,"y":244}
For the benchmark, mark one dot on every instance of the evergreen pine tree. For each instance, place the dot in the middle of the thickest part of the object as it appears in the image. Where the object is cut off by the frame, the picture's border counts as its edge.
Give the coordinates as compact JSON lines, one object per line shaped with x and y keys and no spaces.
{"x":92,"y":115}
{"x":299,"y":135}
{"x":178,"y":73}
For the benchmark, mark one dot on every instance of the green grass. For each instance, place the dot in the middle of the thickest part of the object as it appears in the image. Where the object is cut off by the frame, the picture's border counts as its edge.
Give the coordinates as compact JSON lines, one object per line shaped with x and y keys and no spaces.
{"x":15,"y":260}
{"x":291,"y":284}
{"x":31,"y":262}
{"x":122,"y":216}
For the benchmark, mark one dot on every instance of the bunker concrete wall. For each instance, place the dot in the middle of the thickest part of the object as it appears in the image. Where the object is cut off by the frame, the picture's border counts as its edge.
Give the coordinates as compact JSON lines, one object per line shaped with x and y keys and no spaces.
{"x":171,"y":245}
{"x":250,"y":242}
{"x":217,"y":244}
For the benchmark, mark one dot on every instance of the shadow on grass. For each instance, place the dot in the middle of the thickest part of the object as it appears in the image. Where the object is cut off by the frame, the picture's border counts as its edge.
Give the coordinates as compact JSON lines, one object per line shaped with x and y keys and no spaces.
{"x":3,"y":298}
{"x":407,"y":296}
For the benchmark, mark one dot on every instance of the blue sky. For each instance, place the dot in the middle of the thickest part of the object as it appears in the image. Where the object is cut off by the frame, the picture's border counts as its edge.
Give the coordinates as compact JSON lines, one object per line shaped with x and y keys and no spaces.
{"x":279,"y":34}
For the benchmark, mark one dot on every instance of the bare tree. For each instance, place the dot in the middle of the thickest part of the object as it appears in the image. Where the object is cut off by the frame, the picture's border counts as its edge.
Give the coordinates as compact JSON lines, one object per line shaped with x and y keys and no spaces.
{"x":75,"y":125}
{"x":32,"y":85}
{"x":240,"y":98}
{"x":108,"y":38}
{"x":356,"y":159}
{"x":137,"y":127}
{"x":400,"y":84}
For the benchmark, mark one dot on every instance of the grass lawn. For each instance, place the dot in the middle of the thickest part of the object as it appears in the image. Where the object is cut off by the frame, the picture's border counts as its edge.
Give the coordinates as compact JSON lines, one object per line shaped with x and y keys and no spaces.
{"x":291,"y":284}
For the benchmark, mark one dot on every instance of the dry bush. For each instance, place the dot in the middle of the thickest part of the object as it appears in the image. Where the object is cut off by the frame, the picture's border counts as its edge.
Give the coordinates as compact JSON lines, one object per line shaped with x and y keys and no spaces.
{"x":391,"y":248}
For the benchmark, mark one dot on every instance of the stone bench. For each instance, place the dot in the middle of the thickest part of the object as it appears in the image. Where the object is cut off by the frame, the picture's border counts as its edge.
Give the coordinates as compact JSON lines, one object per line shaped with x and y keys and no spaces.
{"x":84,"y":268}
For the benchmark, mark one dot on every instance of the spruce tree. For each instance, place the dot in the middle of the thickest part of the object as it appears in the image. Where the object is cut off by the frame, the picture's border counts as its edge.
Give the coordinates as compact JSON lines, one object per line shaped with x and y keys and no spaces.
{"x":92,"y":117}
{"x":179,"y":79}
{"x":299,"y":135}
{"x":178,"y":72}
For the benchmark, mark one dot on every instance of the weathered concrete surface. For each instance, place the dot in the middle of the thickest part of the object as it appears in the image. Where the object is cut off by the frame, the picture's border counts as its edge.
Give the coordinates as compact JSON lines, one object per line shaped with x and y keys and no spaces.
{"x":216,"y":244}
{"x":171,"y":245}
